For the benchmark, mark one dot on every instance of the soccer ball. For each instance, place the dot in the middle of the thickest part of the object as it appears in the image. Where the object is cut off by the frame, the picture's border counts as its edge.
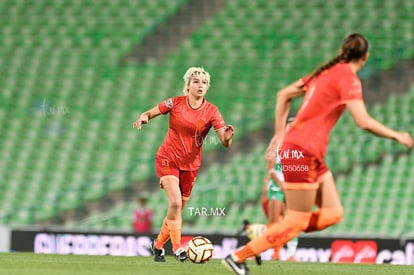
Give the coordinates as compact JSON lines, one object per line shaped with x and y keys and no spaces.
{"x":199,"y":250}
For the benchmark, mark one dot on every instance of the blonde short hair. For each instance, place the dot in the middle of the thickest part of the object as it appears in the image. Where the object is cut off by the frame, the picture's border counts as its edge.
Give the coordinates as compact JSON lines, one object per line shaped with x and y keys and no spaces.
{"x":194,"y":71}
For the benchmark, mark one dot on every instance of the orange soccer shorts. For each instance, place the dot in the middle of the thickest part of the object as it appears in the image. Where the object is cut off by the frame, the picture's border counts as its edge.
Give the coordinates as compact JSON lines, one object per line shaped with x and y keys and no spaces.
{"x":301,"y":167}
{"x":166,"y":168}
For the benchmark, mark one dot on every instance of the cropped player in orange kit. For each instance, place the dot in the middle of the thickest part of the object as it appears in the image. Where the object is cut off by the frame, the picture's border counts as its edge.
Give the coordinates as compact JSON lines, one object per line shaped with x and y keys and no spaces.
{"x":179,"y":157}
{"x":328,"y":91}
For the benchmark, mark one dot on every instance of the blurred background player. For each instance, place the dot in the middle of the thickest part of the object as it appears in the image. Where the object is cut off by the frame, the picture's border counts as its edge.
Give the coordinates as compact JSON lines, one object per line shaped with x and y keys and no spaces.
{"x":273,"y":203}
{"x":273,"y":200}
{"x":328,"y":91}
{"x":142,"y":216}
{"x":179,"y":157}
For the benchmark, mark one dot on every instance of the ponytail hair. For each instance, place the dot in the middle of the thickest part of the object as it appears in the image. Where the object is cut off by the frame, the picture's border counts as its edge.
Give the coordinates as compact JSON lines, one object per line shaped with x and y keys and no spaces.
{"x":354,"y":47}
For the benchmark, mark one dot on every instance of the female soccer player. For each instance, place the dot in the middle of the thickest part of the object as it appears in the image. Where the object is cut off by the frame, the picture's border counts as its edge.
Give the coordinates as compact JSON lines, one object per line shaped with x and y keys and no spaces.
{"x":328,"y":91}
{"x":179,"y":157}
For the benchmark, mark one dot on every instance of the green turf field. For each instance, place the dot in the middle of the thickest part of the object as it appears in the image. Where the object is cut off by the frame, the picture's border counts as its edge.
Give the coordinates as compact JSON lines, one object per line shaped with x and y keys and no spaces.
{"x":36,"y":264}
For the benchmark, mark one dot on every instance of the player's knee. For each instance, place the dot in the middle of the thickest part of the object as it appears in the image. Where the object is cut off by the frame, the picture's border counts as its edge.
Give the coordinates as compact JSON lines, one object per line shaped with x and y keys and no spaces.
{"x":175,"y":204}
{"x":337,"y":214}
{"x":330,"y":216}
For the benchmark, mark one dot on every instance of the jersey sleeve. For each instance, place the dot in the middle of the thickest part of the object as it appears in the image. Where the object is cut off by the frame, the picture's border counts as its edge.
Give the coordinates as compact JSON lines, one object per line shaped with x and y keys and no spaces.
{"x":166,"y":105}
{"x":217,"y":120}
{"x":350,"y":88}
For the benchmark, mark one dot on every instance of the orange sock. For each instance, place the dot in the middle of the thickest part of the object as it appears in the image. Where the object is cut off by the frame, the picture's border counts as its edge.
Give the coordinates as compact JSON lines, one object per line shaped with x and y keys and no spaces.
{"x":276,"y":235}
{"x":175,"y":232}
{"x":242,"y":254}
{"x":324,"y":218}
{"x":163,"y":236}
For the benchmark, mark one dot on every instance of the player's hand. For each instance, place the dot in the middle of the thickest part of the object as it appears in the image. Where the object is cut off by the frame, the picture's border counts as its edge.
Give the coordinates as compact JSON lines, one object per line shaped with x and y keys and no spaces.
{"x":271,"y":151}
{"x":143,"y":119}
{"x":228,"y":132}
{"x":405,"y":139}
{"x":254,"y":230}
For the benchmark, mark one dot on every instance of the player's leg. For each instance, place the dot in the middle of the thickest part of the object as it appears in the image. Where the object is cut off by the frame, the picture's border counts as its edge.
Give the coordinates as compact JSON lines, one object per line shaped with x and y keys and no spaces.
{"x":164,"y":234}
{"x":301,"y":188}
{"x":299,"y":211}
{"x":330,"y":209}
{"x":185,"y":186}
{"x":187,"y":180}
{"x":291,"y":249}
{"x":275,"y":211}
{"x":173,"y":219}
{"x":169,"y":181}
{"x":275,"y":208}
{"x":264,"y":198}
{"x":171,"y":186}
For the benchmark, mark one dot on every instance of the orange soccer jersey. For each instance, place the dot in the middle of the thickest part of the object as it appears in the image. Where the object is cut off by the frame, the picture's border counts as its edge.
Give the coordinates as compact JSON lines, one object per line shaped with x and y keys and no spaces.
{"x":187,"y":130}
{"x":323,"y":104}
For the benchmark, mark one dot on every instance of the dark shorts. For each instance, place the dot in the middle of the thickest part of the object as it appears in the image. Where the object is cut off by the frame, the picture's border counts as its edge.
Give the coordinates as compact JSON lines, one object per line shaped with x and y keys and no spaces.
{"x":166,"y":168}
{"x":301,"y":169}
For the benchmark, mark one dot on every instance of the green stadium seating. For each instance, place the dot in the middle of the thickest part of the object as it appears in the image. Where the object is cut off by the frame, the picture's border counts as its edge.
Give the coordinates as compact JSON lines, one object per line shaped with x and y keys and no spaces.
{"x":59,"y":100}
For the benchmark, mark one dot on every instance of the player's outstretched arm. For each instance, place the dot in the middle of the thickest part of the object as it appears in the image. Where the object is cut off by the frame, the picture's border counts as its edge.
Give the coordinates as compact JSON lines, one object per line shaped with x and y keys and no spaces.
{"x":364,"y":121}
{"x":226,"y":135}
{"x":284,"y":98}
{"x":145,"y":117}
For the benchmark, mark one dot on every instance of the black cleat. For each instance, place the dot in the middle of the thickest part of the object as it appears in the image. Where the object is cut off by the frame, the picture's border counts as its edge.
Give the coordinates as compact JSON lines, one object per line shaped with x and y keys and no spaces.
{"x":258,"y":259}
{"x":232,"y":265}
{"x":158,"y":253}
{"x":181,"y":255}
